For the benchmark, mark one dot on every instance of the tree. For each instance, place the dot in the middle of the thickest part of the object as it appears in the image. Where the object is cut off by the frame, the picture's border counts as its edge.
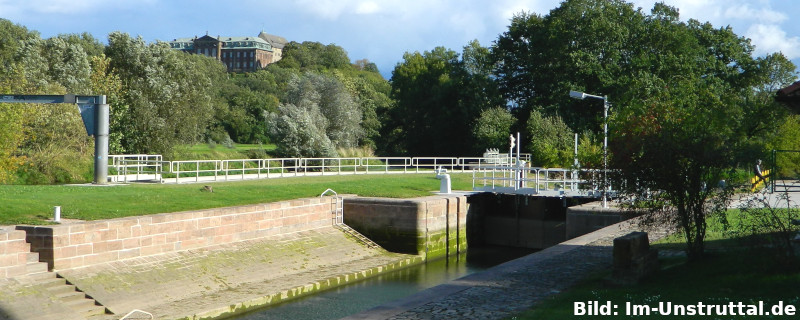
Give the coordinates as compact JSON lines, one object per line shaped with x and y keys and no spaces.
{"x":171,"y":96}
{"x":317,"y":116}
{"x":12,"y":81}
{"x":105,"y":82}
{"x":366,"y":65}
{"x":11,"y":38}
{"x":90,"y":45}
{"x":550,"y":141}
{"x":313,"y":56}
{"x":674,"y":148}
{"x":492,"y":129}
{"x":438,"y":99}
{"x":581,"y":45}
{"x":371,"y":92}
{"x":299,"y":131}
{"x":688,"y":129}
{"x":683,"y":96}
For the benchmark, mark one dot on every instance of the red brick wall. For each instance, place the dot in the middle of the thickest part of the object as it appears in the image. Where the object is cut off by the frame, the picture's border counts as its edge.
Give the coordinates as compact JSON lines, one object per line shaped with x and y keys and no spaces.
{"x":87,"y":243}
{"x":14,"y":252}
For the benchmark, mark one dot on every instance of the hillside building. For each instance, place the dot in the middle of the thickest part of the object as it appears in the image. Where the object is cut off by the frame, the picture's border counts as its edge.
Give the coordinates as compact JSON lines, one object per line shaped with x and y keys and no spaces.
{"x":239,"y":54}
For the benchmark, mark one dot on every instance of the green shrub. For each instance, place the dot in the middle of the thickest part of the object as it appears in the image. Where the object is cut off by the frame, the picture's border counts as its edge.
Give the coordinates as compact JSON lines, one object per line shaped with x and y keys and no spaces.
{"x":550,"y":141}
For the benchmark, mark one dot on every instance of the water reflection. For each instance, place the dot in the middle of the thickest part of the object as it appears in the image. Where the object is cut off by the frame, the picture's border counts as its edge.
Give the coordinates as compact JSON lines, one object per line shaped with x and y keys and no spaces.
{"x":357,"y":297}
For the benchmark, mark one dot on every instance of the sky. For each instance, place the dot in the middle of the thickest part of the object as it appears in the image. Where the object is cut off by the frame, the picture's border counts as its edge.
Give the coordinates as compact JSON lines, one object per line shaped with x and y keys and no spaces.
{"x":378,"y":30}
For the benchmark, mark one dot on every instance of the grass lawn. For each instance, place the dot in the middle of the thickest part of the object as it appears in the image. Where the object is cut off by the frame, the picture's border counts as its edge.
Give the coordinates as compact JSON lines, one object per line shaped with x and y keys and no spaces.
{"x":34,"y":204}
{"x":731,"y":273}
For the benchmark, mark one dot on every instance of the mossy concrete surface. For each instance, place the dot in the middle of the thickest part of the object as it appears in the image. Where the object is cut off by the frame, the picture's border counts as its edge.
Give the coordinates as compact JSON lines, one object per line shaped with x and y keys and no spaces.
{"x":232,"y":279}
{"x":22,"y":298}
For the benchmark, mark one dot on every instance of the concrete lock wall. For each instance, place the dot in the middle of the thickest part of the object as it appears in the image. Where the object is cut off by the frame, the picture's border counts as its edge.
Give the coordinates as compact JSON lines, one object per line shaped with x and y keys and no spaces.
{"x":517,"y":221}
{"x":431,"y":226}
{"x":87,"y":243}
{"x":590,"y":217}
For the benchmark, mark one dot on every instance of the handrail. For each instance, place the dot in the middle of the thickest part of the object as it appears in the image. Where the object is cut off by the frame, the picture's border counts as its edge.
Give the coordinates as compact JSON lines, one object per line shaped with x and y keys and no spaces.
{"x":488,"y":171}
{"x":326,"y":191}
{"x":137,"y":310}
{"x":535,"y":180}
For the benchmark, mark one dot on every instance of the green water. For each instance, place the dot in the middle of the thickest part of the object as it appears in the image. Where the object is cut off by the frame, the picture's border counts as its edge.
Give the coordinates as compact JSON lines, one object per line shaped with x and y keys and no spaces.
{"x":361,"y":296}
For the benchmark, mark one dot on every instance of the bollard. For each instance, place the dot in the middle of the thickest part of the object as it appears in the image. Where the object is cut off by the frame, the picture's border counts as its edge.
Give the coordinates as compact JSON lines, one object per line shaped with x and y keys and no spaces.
{"x":57,"y":213}
{"x":444,"y":186}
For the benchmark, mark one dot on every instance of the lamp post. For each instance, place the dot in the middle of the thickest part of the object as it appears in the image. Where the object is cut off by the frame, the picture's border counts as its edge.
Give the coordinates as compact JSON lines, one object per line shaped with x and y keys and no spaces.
{"x":581,"y":96}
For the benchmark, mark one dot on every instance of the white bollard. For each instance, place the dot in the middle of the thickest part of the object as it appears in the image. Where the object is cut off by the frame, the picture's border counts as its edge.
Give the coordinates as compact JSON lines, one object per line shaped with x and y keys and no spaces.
{"x":57,"y":213}
{"x":444,"y":186}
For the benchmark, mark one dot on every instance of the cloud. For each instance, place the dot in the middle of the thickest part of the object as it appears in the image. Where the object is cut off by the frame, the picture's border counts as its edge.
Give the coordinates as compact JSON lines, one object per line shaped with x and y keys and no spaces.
{"x":745,"y":12}
{"x":367,"y":7}
{"x":334,"y":9}
{"x":771,"y":38}
{"x":18,"y":9}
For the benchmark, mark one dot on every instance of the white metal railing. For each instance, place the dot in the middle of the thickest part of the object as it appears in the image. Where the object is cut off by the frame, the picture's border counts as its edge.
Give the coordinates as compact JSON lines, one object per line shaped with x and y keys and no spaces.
{"x":330,"y":164}
{"x":492,"y":170}
{"x":385,"y":164}
{"x":432,"y":163}
{"x":532,"y":180}
{"x":195,"y":167}
{"x":135,"y":167}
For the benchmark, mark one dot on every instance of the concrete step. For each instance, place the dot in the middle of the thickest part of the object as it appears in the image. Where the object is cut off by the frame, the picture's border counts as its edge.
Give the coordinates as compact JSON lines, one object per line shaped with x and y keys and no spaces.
{"x":52,"y":283}
{"x":37,"y":276}
{"x":62,"y":289}
{"x":81,"y":305}
{"x":33,"y":257}
{"x":36,"y":267}
{"x":71,"y":296}
{"x":95,"y":311}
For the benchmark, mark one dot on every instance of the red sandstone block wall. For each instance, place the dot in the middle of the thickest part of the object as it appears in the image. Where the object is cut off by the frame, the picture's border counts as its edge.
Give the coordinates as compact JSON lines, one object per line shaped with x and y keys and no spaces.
{"x":83,"y":244}
{"x":14,"y":253}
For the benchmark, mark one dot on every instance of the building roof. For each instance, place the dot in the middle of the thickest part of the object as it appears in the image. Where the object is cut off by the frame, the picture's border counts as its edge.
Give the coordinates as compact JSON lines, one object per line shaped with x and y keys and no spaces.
{"x":229,"y":42}
{"x":790,"y":96}
{"x":276,"y":41}
{"x":245,"y":42}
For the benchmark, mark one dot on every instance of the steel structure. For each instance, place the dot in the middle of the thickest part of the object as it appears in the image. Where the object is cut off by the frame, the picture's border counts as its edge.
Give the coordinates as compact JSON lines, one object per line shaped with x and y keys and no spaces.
{"x":94,"y":112}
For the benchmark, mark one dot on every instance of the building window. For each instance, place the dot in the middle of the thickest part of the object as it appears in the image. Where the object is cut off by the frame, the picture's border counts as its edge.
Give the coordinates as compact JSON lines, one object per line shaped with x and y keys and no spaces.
{"x":238,"y":54}
{"x":251,"y":64}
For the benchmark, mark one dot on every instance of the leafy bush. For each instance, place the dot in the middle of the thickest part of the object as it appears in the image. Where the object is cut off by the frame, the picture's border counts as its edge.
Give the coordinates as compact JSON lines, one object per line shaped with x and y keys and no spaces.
{"x":360,"y":152}
{"x":318,"y":116}
{"x":299,"y":131}
{"x":769,"y":226}
{"x":492,"y":128}
{"x":550,"y":141}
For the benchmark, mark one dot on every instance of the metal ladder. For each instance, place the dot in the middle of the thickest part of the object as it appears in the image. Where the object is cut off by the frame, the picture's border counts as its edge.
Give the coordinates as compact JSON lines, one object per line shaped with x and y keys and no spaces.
{"x":338,"y":220}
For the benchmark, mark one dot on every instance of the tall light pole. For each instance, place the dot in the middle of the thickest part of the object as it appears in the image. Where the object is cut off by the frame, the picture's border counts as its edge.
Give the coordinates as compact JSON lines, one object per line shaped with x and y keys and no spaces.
{"x":581,"y":96}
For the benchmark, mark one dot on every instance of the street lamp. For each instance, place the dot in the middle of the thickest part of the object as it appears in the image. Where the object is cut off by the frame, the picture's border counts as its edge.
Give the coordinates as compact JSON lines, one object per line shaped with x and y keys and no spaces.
{"x":581,"y":96}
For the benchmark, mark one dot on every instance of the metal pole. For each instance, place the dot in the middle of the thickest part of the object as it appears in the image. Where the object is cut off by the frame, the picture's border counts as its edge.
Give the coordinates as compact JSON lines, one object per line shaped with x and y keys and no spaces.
{"x":605,"y":151}
{"x":519,"y":142}
{"x":575,"y":163}
{"x":101,"y":141}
